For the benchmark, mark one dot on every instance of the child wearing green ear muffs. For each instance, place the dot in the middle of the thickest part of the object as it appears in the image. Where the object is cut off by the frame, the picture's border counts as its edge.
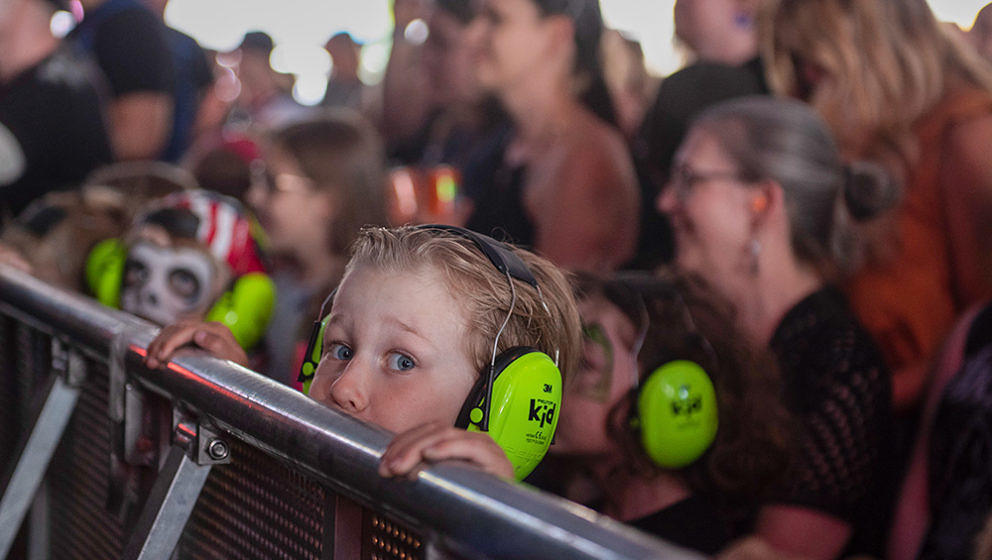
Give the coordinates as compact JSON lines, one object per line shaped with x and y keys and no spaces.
{"x":671,"y":423}
{"x":458,"y":343}
{"x":192,"y":255}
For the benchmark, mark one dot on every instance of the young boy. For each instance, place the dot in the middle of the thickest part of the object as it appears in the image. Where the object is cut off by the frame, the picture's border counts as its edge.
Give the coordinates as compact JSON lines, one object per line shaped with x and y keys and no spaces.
{"x":412,"y":329}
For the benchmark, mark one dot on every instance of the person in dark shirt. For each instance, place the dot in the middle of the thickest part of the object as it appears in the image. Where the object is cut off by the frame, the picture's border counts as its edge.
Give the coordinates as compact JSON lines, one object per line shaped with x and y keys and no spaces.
{"x":726,"y":66}
{"x":52,"y":131}
{"x":344,"y":87}
{"x":759,"y":200}
{"x":693,"y":488}
{"x":129,"y":44}
{"x":193,"y":77}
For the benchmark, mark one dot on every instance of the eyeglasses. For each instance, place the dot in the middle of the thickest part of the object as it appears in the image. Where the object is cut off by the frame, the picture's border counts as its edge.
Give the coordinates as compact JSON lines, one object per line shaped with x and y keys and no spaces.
{"x":280,"y":182}
{"x":684,"y":178}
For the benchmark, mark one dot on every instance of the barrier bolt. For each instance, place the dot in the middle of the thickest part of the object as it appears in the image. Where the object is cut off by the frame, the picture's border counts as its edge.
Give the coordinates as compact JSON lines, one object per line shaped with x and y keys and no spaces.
{"x":218,"y":450}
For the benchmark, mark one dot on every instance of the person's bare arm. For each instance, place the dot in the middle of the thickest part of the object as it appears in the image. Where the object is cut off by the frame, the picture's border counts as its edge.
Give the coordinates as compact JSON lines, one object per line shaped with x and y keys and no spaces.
{"x":802,"y":532}
{"x":405,"y":99}
{"x":591,"y":220}
{"x":140,"y":124}
{"x":966,"y":180}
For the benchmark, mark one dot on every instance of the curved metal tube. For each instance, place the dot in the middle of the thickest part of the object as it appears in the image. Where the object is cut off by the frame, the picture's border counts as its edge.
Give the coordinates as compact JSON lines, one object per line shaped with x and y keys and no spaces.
{"x":475,"y":513}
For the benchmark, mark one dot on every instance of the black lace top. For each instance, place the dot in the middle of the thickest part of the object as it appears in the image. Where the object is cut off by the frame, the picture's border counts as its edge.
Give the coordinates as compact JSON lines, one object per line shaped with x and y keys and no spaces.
{"x":836,"y":381}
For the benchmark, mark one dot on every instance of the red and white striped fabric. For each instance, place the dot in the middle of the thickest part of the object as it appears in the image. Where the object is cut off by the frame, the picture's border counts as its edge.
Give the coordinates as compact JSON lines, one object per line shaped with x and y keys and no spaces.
{"x":225,"y":228}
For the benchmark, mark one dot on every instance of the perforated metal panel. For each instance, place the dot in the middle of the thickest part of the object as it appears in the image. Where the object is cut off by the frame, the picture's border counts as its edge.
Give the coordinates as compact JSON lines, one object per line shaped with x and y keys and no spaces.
{"x":25,"y":358}
{"x":81,"y":526}
{"x":17,"y":355}
{"x":385,"y":539}
{"x":255,"y":507}
{"x":10,"y":394}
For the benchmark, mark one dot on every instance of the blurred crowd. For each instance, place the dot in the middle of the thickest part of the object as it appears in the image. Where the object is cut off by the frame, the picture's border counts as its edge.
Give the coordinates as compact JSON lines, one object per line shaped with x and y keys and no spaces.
{"x":804,"y":210}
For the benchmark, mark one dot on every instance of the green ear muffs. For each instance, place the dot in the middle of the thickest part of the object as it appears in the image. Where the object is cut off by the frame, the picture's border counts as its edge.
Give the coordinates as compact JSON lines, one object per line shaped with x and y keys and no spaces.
{"x":676,"y":414}
{"x":245,"y":309}
{"x":314,"y":351}
{"x":105,"y":271}
{"x":519,"y":409}
{"x":523,"y":406}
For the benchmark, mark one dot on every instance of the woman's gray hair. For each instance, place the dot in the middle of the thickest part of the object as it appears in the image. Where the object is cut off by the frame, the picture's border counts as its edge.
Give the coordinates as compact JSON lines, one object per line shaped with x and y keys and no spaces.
{"x":785,"y":141}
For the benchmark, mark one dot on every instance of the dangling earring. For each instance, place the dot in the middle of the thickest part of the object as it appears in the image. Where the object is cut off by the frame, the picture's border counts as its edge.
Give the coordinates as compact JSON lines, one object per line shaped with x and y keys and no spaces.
{"x":754,"y":247}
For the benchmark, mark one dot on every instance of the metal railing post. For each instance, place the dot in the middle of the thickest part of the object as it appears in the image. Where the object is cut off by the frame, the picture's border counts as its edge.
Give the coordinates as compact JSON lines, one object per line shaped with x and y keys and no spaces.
{"x":194,"y":452}
{"x":50,"y":420}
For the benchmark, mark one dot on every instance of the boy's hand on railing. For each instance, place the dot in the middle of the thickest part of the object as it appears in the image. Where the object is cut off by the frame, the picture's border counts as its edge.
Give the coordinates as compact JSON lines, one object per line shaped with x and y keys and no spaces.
{"x":12,"y":257}
{"x":213,"y":337}
{"x":435,"y":442}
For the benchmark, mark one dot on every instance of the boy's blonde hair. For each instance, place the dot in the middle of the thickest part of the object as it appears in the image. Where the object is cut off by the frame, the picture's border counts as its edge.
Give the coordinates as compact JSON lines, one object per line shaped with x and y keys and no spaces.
{"x":483,"y":290}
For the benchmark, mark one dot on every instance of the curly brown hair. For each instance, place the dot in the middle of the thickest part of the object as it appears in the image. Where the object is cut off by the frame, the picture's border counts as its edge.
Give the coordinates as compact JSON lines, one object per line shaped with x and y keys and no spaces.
{"x":682,"y":318}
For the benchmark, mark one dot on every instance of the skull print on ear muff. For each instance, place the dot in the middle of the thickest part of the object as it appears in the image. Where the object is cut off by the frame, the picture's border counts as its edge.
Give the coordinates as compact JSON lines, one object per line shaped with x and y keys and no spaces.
{"x":517,"y":397}
{"x":227,"y":235}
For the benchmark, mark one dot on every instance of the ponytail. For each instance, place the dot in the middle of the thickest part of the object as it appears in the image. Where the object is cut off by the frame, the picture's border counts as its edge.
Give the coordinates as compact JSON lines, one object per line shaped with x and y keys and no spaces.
{"x":868,"y":190}
{"x":596,"y":97}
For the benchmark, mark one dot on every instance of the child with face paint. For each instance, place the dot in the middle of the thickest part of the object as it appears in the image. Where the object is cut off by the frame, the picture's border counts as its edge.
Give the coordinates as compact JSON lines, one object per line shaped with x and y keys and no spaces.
{"x":637,"y":425}
{"x":192,"y":256}
{"x":412,"y":329}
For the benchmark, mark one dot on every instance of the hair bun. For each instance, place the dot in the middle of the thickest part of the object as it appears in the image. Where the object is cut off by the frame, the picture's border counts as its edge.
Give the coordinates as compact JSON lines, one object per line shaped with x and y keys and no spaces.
{"x":869,"y":190}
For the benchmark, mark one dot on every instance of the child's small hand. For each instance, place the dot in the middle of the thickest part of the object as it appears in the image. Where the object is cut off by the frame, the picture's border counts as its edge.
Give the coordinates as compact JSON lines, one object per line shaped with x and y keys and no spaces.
{"x":435,"y":442}
{"x":213,"y":337}
{"x":12,"y":257}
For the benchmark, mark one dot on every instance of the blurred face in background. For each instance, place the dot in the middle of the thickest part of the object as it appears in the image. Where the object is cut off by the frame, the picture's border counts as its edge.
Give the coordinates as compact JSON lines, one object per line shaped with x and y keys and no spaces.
{"x":258,"y":80}
{"x":708,"y":206}
{"x":981,"y":33}
{"x":607,"y":371}
{"x":511,"y":42}
{"x":345,"y":54}
{"x":698,"y":22}
{"x":293,"y":211}
{"x":448,"y":60}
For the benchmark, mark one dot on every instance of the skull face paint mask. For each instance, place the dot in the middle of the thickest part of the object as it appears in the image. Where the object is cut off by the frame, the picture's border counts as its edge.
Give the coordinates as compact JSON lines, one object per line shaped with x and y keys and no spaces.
{"x":165,"y":284}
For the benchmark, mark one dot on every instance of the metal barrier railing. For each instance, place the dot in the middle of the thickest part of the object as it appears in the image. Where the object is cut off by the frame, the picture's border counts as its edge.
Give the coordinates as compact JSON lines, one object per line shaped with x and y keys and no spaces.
{"x":206,"y":459}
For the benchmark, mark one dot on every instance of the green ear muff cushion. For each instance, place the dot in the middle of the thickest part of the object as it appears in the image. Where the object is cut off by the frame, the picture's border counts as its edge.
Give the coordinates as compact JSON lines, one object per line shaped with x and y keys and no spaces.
{"x":105,"y":271}
{"x":246,"y":308}
{"x":524,"y":410}
{"x":677,"y":411}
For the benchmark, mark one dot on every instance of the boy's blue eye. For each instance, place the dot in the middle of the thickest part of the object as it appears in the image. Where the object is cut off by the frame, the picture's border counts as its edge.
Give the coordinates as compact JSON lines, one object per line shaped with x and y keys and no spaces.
{"x":340,"y":352}
{"x":400,"y":362}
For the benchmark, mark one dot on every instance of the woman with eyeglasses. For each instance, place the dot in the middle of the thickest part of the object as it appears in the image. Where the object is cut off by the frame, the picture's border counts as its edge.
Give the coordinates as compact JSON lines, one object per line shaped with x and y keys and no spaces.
{"x":760,"y":203}
{"x":710,"y":459}
{"x":565,"y":184}
{"x":322,"y":180}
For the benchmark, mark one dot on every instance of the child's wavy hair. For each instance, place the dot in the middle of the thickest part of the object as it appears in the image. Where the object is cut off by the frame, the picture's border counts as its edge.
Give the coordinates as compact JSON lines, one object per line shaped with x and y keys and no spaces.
{"x":483,"y":291}
{"x":681,"y":318}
